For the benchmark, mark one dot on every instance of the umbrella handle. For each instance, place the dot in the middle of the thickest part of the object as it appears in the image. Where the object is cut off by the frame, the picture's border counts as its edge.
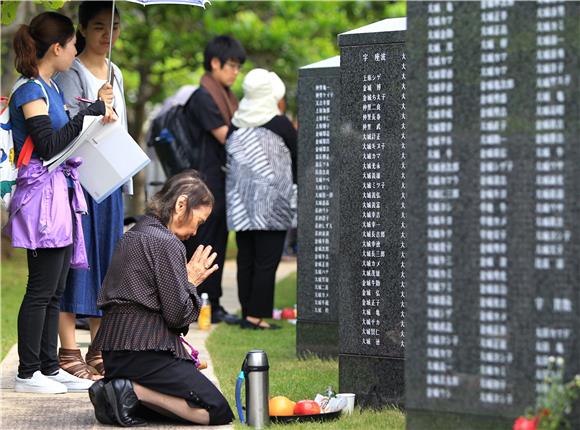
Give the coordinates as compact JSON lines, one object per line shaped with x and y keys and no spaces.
{"x":110,"y":66}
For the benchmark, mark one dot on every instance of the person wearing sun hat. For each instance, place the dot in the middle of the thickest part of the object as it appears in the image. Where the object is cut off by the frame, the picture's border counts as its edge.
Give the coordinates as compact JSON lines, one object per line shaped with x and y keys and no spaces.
{"x":261,"y":160}
{"x":262,"y":91}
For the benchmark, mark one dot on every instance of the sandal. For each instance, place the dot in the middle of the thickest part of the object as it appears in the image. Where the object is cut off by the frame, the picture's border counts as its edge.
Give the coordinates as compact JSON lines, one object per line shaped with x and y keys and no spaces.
{"x":94,"y":360}
{"x":71,"y":361}
{"x":258,"y":326}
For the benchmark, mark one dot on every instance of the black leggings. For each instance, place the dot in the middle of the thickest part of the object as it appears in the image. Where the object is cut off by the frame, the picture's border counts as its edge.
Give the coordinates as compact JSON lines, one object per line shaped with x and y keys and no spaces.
{"x":38,"y":317}
{"x":259,"y":253}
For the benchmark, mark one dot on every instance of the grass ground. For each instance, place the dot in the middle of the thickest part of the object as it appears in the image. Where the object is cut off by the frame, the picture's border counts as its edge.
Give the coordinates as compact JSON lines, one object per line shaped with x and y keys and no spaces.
{"x":13,"y":272}
{"x":289,"y":376}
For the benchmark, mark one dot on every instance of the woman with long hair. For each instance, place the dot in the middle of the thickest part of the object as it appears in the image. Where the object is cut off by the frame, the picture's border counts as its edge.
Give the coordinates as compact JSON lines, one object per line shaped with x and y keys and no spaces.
{"x":103,"y":226}
{"x":46,"y":208}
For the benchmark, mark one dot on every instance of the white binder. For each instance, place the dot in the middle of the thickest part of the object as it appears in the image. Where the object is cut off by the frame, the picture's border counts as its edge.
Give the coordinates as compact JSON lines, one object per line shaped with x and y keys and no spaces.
{"x":110,"y":157}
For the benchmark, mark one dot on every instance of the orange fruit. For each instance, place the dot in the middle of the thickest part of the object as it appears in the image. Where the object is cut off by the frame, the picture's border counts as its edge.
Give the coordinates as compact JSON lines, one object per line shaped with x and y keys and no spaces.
{"x":281,"y":406}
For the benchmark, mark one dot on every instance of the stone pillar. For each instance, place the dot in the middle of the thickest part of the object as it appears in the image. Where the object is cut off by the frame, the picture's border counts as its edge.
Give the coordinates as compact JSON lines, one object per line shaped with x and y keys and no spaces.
{"x":373,"y":227}
{"x":318,"y":205}
{"x":494,"y":210}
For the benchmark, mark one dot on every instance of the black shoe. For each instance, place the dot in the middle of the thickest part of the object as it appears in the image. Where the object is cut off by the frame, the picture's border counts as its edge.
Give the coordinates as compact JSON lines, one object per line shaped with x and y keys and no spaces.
{"x":220,"y":314}
{"x":248,"y":324}
{"x":103,"y":411}
{"x":124,"y":402}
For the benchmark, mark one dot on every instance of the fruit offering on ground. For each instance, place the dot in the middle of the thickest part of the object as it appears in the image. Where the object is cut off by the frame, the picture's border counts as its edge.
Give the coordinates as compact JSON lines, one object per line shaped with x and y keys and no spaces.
{"x":281,"y":406}
{"x":288,"y":314}
{"x":306,"y":407}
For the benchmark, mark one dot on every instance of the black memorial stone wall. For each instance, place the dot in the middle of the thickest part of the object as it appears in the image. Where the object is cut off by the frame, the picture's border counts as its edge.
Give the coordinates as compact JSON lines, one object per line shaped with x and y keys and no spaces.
{"x":493,"y":175}
{"x":318,"y":174}
{"x":373,"y":227}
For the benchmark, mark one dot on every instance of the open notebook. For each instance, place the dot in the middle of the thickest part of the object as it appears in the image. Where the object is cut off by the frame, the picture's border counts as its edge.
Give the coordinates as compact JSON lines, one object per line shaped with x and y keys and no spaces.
{"x":110,"y":157}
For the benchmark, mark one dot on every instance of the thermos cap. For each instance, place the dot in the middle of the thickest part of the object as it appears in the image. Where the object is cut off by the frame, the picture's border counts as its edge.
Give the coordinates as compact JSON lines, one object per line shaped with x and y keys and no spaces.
{"x":257,"y":358}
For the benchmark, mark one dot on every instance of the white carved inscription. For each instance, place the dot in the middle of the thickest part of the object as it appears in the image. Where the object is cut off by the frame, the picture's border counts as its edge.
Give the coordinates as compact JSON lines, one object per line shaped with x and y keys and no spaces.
{"x":495,"y":168}
{"x":442,"y":191}
{"x":403,"y":228}
{"x":373,"y":98}
{"x":552,"y":233}
{"x":323,"y":96}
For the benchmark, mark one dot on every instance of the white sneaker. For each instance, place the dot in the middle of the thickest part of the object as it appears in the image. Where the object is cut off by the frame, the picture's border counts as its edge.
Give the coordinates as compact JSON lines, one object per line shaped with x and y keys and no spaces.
{"x":39,"y":383}
{"x":71,"y":382}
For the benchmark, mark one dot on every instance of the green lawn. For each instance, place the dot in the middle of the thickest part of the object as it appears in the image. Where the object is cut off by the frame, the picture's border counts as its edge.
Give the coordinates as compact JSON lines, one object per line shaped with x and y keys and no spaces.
{"x":289,"y":376}
{"x":13,"y":283}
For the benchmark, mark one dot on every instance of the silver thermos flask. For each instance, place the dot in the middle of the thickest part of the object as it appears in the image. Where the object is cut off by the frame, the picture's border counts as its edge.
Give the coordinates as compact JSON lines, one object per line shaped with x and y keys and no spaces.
{"x":255,"y":370}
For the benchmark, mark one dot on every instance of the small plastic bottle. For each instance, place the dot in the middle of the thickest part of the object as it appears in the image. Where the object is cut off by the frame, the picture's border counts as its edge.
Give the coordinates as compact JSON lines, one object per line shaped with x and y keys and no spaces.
{"x":204,"y":319}
{"x":329,"y":392}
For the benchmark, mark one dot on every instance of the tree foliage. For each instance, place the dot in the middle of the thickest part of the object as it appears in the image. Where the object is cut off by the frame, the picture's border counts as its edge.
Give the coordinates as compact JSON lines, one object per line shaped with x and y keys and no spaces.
{"x":9,"y":9}
{"x":161,"y":46}
{"x":164,"y":44}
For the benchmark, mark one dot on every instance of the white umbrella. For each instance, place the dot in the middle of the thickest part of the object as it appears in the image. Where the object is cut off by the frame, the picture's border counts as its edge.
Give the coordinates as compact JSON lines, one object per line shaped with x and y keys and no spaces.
{"x":199,"y":3}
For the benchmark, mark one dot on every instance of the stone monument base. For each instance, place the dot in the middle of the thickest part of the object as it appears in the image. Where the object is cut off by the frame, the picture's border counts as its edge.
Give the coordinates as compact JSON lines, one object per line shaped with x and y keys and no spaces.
{"x":429,"y":420}
{"x":318,"y":338}
{"x":376,"y":381}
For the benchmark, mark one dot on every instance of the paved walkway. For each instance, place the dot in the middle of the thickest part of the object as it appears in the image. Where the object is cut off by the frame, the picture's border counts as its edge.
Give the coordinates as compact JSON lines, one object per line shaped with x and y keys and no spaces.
{"x":74,"y":410}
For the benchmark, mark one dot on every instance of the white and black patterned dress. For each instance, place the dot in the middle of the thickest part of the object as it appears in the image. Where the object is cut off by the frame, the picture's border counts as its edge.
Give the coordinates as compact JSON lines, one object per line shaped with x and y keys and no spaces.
{"x":259,"y":187}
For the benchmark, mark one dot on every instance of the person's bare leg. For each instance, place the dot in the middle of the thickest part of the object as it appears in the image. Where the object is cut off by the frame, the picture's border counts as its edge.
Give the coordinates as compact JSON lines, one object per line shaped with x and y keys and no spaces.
{"x":174,"y":405}
{"x":66,"y":330}
{"x":94,"y":324}
{"x":69,"y":355}
{"x":95,"y":358}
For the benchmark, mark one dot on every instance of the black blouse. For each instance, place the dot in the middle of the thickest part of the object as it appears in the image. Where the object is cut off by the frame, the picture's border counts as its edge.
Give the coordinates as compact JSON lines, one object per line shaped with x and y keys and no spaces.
{"x":146,"y":296}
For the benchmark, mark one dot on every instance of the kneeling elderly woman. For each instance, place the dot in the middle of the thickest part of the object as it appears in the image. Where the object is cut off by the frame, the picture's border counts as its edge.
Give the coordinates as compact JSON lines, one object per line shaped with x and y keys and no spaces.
{"x":149,"y":297}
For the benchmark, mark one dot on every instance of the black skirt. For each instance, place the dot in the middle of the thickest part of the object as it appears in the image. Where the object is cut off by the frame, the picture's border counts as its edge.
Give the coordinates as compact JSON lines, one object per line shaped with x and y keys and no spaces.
{"x":162,"y":372}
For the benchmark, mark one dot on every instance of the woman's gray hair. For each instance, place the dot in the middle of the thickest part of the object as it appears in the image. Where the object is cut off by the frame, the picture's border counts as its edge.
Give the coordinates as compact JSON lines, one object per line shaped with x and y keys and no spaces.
{"x":187,"y":183}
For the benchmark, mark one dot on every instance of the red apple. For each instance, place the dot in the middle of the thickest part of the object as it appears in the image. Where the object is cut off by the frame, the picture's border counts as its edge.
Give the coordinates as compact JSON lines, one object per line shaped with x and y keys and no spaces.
{"x":288,"y":314}
{"x":306,"y":407}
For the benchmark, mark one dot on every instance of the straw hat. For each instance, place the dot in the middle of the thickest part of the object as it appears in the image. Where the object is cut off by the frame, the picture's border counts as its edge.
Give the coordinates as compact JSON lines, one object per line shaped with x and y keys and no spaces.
{"x":262,"y":92}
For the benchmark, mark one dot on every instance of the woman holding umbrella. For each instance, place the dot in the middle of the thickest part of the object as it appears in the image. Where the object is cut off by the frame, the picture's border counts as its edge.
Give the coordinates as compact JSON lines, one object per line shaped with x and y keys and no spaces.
{"x":103,"y":226}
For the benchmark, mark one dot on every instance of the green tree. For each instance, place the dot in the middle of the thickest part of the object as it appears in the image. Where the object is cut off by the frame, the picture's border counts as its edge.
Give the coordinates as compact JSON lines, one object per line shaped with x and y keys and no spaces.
{"x":161,"y":46}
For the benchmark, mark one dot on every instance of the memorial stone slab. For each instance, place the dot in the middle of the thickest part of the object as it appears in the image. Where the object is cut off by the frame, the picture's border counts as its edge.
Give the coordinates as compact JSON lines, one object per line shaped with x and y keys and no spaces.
{"x":318,"y":117}
{"x":494,"y":186}
{"x":373,"y":226}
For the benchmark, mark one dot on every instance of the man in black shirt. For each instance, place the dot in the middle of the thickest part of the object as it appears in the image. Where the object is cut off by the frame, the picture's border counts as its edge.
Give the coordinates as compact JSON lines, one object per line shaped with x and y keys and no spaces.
{"x":211,"y":109}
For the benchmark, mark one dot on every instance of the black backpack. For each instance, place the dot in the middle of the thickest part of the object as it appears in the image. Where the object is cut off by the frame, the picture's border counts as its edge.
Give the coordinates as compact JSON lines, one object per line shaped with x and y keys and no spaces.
{"x":174,"y":138}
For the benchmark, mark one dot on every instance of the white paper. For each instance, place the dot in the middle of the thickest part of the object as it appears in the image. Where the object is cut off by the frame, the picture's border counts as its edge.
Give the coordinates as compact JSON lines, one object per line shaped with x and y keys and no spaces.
{"x":110,"y":157}
{"x":65,"y":154}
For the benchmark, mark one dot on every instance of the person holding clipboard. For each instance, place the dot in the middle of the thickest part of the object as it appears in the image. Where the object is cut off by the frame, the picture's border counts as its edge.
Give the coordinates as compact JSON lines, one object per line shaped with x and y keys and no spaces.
{"x":46,"y":207}
{"x":103,"y":226}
